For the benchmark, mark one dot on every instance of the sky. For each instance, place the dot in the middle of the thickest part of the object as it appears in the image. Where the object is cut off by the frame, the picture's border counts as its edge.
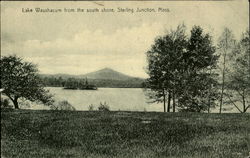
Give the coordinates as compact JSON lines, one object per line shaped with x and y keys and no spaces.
{"x":82,"y":42}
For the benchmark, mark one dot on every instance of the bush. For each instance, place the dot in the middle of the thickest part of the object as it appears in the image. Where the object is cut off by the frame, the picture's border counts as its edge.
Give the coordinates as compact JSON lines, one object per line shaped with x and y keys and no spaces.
{"x":103,"y":107}
{"x":91,"y":107}
{"x":5,"y":103}
{"x":63,"y":105}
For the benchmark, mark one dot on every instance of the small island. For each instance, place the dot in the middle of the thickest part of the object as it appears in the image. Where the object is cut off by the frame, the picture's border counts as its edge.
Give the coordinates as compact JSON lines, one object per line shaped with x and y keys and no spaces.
{"x":79,"y":84}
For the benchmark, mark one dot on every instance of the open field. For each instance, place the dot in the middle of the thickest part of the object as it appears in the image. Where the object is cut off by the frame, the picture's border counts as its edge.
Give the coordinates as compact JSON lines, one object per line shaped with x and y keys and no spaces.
{"x":30,"y":133}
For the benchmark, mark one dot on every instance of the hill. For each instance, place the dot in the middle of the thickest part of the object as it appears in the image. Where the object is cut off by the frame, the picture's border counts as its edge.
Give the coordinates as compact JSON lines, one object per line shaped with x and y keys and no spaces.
{"x":107,"y":74}
{"x":95,"y":134}
{"x":102,"y":78}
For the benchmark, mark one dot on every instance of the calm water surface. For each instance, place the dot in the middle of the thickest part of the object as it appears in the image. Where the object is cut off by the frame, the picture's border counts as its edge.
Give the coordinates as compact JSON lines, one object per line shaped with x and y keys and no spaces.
{"x":125,"y":99}
{"x":131,"y":99}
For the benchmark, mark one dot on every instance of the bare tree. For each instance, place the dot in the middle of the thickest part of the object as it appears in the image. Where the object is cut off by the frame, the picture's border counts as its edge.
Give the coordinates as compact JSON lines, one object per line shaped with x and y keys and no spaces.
{"x":239,"y":78}
{"x":225,"y":46}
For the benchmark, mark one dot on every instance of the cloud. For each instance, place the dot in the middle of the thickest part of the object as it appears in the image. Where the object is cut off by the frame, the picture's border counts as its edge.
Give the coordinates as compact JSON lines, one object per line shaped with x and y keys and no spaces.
{"x":78,"y":43}
{"x":86,"y":49}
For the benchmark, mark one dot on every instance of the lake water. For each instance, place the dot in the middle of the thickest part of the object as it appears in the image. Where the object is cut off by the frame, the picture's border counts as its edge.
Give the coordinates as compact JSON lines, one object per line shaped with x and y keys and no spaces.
{"x":129,"y":99}
{"x":124,"y":99}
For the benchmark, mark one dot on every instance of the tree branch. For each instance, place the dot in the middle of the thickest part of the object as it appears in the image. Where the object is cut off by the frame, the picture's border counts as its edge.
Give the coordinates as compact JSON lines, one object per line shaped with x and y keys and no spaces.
{"x":247,"y":108}
{"x":239,"y":93}
{"x":8,"y":95}
{"x":234,"y":104}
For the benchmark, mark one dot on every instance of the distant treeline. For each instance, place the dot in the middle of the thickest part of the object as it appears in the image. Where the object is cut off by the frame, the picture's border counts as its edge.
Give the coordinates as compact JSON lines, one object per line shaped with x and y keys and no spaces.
{"x":61,"y":82}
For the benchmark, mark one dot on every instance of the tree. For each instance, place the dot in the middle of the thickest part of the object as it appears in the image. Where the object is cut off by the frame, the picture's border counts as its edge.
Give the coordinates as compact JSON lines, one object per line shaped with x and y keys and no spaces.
{"x":225,"y":46}
{"x":180,"y":44}
{"x":163,"y":64}
{"x":239,"y":79}
{"x":196,"y":73}
{"x":180,"y":67}
{"x":20,"y":79}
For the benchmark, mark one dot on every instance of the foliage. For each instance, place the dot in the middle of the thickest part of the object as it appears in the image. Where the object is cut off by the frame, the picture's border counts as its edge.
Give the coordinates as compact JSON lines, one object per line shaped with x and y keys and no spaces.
{"x":91,"y":107}
{"x":63,"y":105}
{"x":72,"y":83}
{"x":20,"y":79}
{"x":225,"y":47}
{"x":5,"y":103}
{"x":51,"y":81}
{"x":239,"y":79}
{"x":197,"y":90}
{"x":182,"y":67}
{"x":103,"y":107}
{"x":163,"y":64}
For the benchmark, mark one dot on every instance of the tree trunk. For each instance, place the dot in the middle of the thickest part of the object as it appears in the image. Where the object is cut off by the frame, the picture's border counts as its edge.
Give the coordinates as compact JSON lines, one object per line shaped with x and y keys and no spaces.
{"x":209,"y":100}
{"x":15,"y":103}
{"x":208,"y":110}
{"x":209,"y":92}
{"x":164,"y":100}
{"x":173,"y":101}
{"x":223,"y":72}
{"x":169,"y":100}
{"x":246,"y":108}
{"x":223,"y":82}
{"x":244,"y":102}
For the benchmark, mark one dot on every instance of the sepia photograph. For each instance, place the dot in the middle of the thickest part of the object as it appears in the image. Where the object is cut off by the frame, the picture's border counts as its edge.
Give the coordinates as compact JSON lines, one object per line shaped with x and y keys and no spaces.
{"x":125,"y":79}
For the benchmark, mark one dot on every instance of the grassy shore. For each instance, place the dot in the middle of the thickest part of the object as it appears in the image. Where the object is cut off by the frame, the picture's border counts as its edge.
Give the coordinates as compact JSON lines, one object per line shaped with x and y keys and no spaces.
{"x":27,"y":133}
